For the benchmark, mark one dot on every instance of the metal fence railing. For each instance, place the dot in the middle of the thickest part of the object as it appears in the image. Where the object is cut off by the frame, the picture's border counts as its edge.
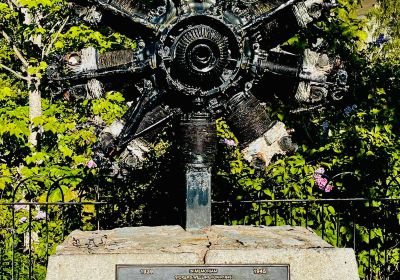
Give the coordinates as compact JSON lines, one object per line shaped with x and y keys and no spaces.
{"x":31,"y":230}
{"x":370,"y":227}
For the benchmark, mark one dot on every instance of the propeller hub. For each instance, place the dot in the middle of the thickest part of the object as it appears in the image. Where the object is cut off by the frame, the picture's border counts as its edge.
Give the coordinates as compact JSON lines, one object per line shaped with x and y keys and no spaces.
{"x":203,"y":58}
{"x":201,"y":55}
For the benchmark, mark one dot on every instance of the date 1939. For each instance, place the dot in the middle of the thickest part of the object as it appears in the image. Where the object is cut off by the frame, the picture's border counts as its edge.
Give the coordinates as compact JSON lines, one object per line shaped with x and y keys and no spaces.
{"x":146,"y":271}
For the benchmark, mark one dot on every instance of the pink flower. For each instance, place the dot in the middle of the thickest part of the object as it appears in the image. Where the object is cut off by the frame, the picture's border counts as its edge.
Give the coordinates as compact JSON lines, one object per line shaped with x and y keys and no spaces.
{"x":328,"y":188}
{"x":321,"y":182}
{"x":229,"y":142}
{"x":23,"y":220}
{"x":91,"y":164}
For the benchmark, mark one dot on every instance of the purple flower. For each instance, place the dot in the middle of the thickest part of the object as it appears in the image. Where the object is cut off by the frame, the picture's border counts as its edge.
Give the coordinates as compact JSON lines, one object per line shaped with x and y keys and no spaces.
{"x":40,"y":215}
{"x":381,"y":40}
{"x":91,"y":164}
{"x":349,"y":109}
{"x":325,"y":126}
{"x":319,"y":172}
{"x":229,"y":142}
{"x":23,"y":220}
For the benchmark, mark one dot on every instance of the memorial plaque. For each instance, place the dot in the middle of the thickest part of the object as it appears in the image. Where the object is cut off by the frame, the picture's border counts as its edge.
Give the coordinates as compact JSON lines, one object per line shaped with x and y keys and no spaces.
{"x":212,"y":272}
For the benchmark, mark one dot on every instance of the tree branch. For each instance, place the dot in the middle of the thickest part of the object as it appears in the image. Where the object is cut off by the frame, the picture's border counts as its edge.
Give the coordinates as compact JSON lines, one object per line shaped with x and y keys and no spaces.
{"x":15,"y":49}
{"x":12,"y":4}
{"x":50,"y":32}
{"x":50,"y":46}
{"x":18,"y":75}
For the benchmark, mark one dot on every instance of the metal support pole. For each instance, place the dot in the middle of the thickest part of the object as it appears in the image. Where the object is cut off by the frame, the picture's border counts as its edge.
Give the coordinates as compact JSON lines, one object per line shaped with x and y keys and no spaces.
{"x":198,"y":196}
{"x":198,"y":146}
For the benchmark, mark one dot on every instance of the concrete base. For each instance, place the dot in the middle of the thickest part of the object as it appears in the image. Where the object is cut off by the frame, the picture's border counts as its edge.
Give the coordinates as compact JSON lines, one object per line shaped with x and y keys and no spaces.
{"x":94,"y":255}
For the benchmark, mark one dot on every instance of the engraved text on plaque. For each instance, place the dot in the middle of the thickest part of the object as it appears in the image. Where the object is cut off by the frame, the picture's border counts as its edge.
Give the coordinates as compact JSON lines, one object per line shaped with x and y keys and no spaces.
{"x":217,"y":272}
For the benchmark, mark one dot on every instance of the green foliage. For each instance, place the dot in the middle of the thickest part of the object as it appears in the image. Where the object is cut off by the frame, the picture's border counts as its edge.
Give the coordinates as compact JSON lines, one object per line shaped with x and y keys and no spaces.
{"x":67,"y":128}
{"x":110,"y":107}
{"x":78,"y":37}
{"x":359,"y":134}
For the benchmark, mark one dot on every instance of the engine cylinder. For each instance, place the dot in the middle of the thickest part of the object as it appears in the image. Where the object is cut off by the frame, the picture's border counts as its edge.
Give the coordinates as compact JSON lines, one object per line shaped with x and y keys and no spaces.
{"x":247,"y":118}
{"x":197,"y":134}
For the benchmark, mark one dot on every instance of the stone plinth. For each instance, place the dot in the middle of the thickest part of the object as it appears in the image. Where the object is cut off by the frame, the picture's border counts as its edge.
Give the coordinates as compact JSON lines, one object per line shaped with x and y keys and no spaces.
{"x":94,"y":255}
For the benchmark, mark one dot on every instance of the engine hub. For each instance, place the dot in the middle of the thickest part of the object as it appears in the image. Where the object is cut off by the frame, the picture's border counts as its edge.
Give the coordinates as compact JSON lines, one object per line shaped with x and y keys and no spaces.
{"x":201,"y":55}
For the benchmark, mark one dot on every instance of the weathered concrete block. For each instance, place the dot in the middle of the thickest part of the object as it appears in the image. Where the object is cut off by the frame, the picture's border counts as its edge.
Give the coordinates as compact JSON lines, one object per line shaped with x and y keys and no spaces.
{"x":94,"y":255}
